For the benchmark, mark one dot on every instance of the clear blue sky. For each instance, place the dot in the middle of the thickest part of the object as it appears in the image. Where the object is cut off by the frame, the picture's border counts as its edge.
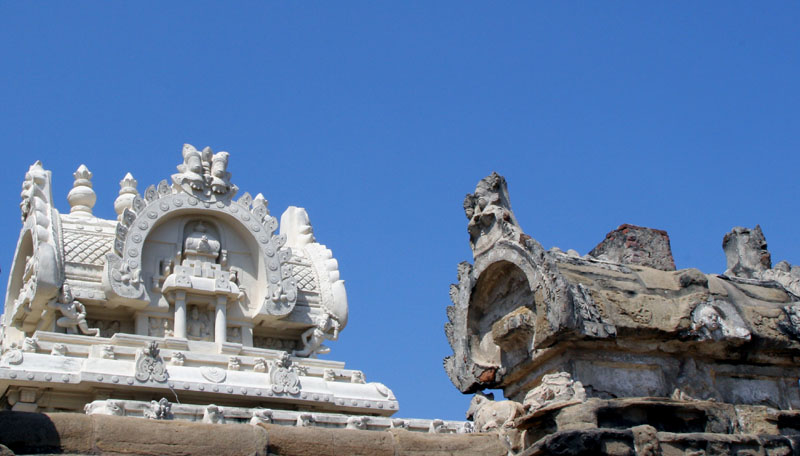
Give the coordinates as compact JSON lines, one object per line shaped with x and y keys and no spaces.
{"x":379,"y":116}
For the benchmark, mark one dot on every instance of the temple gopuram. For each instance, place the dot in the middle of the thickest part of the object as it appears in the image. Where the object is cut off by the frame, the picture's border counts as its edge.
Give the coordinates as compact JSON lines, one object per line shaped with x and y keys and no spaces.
{"x":191,"y":324}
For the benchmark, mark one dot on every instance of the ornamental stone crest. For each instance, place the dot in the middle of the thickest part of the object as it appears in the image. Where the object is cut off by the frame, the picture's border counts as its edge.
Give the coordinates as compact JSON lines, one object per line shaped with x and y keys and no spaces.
{"x":202,"y":185}
{"x":284,"y":376}
{"x":149,"y":365}
{"x":204,"y":174}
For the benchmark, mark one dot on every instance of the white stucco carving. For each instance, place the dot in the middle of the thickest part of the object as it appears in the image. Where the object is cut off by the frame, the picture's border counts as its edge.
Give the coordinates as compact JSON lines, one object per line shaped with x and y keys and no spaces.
{"x":190,"y":288}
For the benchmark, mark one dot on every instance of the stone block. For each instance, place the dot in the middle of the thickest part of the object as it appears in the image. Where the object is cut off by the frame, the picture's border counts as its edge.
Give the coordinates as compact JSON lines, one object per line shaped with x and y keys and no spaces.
{"x":114,"y":434}
{"x":417,"y":444}
{"x":314,"y":441}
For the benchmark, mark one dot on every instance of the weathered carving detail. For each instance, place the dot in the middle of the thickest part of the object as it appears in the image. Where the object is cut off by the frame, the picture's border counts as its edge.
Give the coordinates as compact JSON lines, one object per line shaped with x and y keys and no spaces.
{"x":304,"y":420}
{"x":708,"y":323}
{"x":260,"y":365}
{"x":150,"y":365}
{"x":13,"y":356}
{"x":489,"y":213}
{"x":792,"y":324}
{"x":329,"y":375}
{"x":161,"y":410}
{"x":107,"y":407}
{"x":30,"y":345}
{"x":490,"y":416}
{"x":746,"y":252}
{"x":213,"y":415}
{"x":357,"y":422}
{"x":284,"y":376}
{"x":436,"y":427}
{"x":178,"y":358}
{"x":555,"y":389}
{"x":357,"y":377}
{"x":234,"y":363}
{"x":107,"y":352}
{"x":589,"y":318}
{"x":58,"y":349}
{"x":261,"y":416}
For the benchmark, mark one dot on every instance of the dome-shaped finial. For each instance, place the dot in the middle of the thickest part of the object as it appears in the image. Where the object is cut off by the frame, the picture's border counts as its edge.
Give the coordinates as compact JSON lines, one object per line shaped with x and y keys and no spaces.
{"x":127,"y":192}
{"x":82,"y":198}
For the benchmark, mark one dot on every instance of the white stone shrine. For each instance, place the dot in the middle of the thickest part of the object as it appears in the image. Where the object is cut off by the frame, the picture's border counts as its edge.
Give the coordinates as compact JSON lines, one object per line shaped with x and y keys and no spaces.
{"x":188,"y":305}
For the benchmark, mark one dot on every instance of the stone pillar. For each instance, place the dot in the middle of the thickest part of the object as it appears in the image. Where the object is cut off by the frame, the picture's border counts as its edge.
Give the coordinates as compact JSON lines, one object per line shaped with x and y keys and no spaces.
{"x":142,"y":324}
{"x":221,"y":320}
{"x":247,"y":336}
{"x":180,"y":314}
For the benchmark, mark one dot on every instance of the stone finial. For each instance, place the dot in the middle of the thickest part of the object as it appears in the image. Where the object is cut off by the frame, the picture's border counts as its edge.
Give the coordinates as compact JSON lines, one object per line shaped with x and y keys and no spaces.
{"x":127,"y":192}
{"x":630,"y":244}
{"x":82,"y":197}
{"x":746,"y":252}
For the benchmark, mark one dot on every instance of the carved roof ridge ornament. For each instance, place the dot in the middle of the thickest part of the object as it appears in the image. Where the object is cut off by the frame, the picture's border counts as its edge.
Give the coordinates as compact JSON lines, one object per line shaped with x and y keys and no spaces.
{"x":122,"y":276}
{"x":205,"y":175}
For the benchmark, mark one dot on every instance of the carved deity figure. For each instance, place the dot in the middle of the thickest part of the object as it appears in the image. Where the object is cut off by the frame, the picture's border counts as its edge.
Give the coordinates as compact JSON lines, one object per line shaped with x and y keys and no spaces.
{"x":234,"y":334}
{"x":73,"y":313}
{"x":197,"y":325}
{"x":327,"y":327}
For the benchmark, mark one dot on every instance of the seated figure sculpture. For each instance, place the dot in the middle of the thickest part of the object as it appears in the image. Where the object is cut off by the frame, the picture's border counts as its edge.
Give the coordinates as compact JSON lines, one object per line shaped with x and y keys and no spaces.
{"x":73,"y":313}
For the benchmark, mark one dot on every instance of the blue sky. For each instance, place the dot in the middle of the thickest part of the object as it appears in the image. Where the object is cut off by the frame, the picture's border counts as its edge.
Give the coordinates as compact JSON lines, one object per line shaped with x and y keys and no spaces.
{"x":379,"y":116}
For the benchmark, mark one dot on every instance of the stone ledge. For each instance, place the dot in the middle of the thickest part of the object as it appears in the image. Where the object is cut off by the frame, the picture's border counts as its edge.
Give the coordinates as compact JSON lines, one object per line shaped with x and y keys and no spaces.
{"x":73,"y":433}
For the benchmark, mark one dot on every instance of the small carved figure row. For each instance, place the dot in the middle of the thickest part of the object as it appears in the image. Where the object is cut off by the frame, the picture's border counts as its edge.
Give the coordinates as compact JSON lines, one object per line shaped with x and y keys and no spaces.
{"x":214,"y":414}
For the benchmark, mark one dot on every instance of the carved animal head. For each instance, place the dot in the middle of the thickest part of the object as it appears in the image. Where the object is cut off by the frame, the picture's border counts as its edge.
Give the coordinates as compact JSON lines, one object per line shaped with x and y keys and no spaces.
{"x":478,"y":400}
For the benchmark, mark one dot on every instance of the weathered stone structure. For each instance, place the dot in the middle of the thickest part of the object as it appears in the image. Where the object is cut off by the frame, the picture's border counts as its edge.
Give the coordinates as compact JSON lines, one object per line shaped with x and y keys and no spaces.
{"x":191,"y":294}
{"x":616,"y":352}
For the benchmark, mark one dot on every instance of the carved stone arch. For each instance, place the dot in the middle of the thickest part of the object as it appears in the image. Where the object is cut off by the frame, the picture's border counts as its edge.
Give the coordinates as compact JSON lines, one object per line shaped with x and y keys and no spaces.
{"x":39,"y":249}
{"x":538,"y":293}
{"x":552,"y":297}
{"x":501,"y":314}
{"x":24,"y":259}
{"x":122,"y":273}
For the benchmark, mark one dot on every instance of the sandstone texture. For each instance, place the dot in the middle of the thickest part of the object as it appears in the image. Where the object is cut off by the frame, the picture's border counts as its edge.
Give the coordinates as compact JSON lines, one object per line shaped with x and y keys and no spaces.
{"x":617,"y":352}
{"x":58,"y":433}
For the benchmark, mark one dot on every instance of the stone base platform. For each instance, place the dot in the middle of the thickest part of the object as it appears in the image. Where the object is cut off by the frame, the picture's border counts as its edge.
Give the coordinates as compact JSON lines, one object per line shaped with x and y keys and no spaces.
{"x":72,"y":433}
